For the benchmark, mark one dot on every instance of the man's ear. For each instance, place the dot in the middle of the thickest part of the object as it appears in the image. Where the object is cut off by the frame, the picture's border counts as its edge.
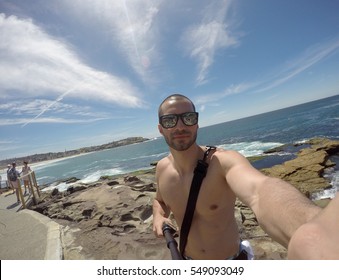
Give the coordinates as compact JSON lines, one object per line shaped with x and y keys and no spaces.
{"x":160,"y":128}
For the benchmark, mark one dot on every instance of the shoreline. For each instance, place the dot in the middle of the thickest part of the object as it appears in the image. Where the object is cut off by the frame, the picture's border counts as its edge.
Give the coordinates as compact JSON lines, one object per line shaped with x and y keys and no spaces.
{"x":40,"y":163}
{"x":76,"y":152}
{"x":268,"y":159}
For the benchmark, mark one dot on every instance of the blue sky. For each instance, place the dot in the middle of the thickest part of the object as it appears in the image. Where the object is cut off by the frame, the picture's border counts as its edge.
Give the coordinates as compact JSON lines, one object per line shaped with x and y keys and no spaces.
{"x":82,"y":72}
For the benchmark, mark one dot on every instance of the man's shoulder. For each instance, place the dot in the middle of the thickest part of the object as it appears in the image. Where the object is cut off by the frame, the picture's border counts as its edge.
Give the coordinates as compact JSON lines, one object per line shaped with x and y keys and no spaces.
{"x":227,"y":158}
{"x":163,"y":163}
{"x":220,"y":152}
{"x":164,"y":166}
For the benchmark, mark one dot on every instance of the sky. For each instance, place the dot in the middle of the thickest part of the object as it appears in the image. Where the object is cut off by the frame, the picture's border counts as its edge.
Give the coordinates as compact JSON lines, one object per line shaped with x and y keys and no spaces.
{"x":82,"y":72}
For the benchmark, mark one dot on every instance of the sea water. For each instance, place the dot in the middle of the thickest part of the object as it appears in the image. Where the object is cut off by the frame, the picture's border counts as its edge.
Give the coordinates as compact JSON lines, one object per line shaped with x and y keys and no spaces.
{"x":250,"y":136}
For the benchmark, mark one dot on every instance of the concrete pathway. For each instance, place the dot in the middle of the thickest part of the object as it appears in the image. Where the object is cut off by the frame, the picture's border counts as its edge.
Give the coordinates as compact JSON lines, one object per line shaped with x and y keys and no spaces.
{"x":27,"y":234}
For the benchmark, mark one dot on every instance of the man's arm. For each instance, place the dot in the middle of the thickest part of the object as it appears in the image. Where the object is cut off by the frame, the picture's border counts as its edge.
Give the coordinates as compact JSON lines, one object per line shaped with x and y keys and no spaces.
{"x":160,"y":216}
{"x":279,"y":207}
{"x":160,"y":211}
{"x":282,"y":209}
{"x":319,"y":238}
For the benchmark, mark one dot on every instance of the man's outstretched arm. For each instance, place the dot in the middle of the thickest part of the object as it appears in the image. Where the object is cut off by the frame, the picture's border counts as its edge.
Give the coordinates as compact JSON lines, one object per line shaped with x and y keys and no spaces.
{"x":319,"y":238}
{"x":279,"y":207}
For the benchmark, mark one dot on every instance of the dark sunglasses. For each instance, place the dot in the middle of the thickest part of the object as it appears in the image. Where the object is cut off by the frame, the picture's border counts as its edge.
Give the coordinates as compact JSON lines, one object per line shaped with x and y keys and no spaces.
{"x":170,"y":121}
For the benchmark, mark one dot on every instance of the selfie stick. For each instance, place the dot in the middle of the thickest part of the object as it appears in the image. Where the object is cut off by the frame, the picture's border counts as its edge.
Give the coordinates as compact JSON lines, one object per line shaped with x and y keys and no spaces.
{"x":172,"y":244}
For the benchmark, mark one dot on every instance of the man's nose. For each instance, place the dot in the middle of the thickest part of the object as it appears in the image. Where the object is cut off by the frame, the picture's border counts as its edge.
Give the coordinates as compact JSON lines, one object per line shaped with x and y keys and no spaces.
{"x":180,"y":124}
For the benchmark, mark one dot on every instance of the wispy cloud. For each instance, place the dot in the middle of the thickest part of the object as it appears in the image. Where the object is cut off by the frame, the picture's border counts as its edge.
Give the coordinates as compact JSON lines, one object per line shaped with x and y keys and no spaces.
{"x":313,"y":55}
{"x":129,"y":25}
{"x":214,"y":33}
{"x":36,"y":64}
{"x":24,"y":112}
{"x":282,"y":74}
{"x":35,"y":106}
{"x":25,"y":121}
{"x":230,"y":90}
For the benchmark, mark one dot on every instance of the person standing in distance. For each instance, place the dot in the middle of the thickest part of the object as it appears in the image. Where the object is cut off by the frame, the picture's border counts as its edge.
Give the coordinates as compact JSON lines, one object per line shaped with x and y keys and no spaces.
{"x":13,"y":176}
{"x":25,"y":173}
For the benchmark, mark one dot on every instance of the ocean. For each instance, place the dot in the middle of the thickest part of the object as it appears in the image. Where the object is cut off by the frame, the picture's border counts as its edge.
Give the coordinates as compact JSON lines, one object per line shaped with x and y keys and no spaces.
{"x":250,"y":136}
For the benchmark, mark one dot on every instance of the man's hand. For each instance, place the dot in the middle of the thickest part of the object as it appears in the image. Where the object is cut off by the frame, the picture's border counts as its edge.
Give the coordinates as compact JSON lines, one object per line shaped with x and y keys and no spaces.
{"x":158,"y":224}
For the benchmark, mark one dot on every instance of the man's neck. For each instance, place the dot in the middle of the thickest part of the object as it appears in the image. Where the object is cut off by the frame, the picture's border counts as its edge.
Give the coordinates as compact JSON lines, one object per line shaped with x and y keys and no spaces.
{"x":186,"y":161}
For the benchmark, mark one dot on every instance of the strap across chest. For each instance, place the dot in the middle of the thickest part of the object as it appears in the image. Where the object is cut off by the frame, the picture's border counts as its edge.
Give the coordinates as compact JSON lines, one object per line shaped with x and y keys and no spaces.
{"x":199,"y":174}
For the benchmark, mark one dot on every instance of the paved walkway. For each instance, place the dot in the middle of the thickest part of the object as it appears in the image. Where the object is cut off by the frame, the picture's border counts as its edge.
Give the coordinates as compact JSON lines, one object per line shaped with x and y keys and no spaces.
{"x":27,"y":234}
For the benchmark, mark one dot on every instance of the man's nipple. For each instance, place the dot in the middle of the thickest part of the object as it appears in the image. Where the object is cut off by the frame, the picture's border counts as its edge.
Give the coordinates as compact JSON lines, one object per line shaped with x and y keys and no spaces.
{"x":214,"y":207}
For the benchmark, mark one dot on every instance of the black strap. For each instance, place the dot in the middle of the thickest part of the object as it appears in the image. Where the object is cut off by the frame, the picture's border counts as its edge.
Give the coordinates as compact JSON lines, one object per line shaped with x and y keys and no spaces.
{"x":199,"y":174}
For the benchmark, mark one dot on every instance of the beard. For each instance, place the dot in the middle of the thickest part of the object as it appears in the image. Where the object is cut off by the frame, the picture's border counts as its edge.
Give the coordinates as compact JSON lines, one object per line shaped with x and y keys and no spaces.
{"x":181,"y":144}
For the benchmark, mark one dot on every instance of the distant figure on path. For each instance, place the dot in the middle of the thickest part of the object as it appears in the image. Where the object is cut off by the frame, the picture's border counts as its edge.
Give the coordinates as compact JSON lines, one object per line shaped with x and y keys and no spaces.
{"x":24,"y":174}
{"x":13,"y":176}
{"x":9,"y":185}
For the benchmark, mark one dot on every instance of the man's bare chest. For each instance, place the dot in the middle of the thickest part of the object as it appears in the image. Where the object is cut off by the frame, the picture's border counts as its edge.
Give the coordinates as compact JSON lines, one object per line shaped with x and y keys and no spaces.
{"x":214,"y":195}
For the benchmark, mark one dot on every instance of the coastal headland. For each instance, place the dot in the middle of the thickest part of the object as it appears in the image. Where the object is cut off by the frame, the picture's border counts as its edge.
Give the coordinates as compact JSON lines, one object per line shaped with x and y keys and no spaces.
{"x":112,"y":218}
{"x":68,"y":153}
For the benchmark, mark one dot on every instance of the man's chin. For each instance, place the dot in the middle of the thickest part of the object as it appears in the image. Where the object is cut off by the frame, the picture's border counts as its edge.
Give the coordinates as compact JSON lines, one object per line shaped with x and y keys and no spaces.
{"x":181,"y":146}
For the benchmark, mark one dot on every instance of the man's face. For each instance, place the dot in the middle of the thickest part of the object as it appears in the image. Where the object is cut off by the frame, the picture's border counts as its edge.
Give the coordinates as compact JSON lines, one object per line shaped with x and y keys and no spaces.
{"x":180,"y":137}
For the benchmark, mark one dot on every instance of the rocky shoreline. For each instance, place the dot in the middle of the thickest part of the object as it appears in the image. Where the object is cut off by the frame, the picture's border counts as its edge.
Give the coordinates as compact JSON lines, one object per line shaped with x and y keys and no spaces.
{"x":112,"y":218}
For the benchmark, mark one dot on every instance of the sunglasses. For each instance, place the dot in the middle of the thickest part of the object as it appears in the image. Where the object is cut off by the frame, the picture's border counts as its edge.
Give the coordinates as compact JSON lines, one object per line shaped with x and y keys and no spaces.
{"x":170,"y":121}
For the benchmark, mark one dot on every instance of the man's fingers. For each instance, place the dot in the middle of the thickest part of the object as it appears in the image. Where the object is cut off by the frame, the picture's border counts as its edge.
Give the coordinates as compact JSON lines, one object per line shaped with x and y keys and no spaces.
{"x":157,"y":231}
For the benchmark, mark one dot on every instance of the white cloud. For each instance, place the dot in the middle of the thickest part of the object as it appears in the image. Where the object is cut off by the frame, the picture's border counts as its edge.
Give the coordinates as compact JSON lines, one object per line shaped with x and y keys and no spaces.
{"x":230,"y":90}
{"x":130,"y":27}
{"x":36,"y":64}
{"x":311,"y":56}
{"x":25,"y":112}
{"x":203,"y":40}
{"x":25,"y":121}
{"x":34,"y":107}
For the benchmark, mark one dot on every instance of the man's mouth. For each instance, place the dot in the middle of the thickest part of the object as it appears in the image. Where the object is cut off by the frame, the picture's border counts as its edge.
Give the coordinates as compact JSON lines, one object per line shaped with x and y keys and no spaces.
{"x":180,"y":135}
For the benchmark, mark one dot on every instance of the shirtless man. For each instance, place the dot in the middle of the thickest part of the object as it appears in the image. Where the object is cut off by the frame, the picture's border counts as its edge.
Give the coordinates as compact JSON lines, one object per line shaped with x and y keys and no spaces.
{"x":279,"y":207}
